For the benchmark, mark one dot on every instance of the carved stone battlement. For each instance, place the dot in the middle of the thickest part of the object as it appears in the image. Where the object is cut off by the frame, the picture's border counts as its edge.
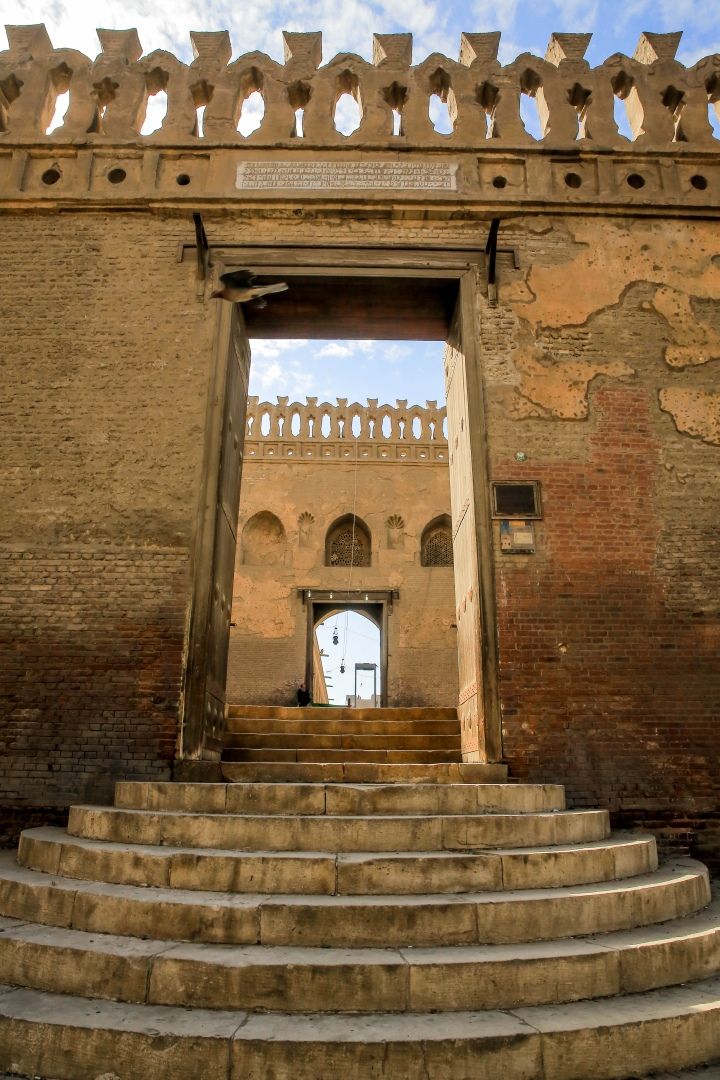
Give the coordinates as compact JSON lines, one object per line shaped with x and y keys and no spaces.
{"x":314,"y":431}
{"x":666,"y":102}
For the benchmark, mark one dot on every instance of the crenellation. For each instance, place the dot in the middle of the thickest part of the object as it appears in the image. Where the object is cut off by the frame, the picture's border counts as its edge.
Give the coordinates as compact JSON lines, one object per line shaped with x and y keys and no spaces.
{"x":317,"y":422}
{"x":666,"y":102}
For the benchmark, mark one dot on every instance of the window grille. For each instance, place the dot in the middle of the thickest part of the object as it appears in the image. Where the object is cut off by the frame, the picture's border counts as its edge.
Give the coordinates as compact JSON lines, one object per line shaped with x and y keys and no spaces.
{"x":344,"y":549}
{"x":437,"y":549}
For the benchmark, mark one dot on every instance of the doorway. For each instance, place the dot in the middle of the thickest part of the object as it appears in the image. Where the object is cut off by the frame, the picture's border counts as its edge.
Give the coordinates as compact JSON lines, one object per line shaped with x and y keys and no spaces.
{"x":323,"y":604}
{"x":355,"y":293}
{"x":347,"y":660}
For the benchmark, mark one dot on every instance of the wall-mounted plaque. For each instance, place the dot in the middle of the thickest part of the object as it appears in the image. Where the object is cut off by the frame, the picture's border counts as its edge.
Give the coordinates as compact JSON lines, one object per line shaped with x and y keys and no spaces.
{"x":395,"y":175}
{"x":517,"y":537}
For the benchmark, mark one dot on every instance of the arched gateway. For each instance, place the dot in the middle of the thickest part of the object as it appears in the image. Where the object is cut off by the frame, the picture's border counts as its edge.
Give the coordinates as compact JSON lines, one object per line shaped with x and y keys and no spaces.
{"x":575,"y":294}
{"x":576,"y":297}
{"x":574,"y":279}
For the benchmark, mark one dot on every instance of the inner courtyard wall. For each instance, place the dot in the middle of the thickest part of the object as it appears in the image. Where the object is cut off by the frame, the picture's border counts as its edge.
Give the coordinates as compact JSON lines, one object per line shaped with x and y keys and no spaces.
{"x":396,"y":485}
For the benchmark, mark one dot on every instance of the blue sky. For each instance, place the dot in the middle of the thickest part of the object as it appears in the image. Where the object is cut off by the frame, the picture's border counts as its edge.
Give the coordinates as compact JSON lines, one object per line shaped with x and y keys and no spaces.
{"x":358,"y":370}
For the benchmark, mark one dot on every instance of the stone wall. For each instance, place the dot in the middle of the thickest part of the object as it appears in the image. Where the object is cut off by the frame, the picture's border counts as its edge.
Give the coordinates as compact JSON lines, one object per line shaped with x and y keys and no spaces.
{"x":599,"y":355}
{"x":388,"y":464}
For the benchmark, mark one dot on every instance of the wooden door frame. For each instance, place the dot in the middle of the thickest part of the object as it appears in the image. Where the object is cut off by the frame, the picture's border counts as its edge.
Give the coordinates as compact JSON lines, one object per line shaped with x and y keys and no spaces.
{"x":385,"y":599}
{"x":465,"y":265}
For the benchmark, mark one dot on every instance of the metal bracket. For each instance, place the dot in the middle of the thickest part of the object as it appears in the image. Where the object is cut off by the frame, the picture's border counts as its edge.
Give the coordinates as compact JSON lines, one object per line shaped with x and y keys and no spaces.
{"x":491,"y":252}
{"x":203,"y":254}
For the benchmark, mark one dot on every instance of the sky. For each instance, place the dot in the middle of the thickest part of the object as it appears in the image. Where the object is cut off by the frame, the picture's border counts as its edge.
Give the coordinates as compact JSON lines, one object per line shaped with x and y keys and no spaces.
{"x":358,"y":642}
{"x":358,"y":370}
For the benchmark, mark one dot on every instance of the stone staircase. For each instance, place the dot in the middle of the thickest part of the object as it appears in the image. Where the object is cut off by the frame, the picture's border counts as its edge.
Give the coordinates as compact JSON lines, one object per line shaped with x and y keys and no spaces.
{"x":351,"y":901}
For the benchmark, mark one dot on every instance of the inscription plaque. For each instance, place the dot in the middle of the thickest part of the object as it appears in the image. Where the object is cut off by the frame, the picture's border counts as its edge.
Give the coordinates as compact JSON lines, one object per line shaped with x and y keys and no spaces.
{"x":397,"y":175}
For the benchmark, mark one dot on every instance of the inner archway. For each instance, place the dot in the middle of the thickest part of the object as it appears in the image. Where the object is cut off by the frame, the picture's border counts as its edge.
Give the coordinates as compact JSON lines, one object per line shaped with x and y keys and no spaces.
{"x":331,"y":295}
{"x":347,"y":663}
{"x":364,"y":640}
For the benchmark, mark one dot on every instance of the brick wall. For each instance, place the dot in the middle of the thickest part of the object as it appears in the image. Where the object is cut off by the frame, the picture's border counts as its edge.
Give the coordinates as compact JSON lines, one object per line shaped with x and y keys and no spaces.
{"x":609,"y":635}
{"x":600,"y":366}
{"x":106,"y":354}
{"x":92,"y":647}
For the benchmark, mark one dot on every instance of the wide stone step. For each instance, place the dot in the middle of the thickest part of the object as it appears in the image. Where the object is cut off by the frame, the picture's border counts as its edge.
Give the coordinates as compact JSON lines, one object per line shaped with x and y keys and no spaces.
{"x":366,"y":773}
{"x":317,"y":754}
{"x":73,"y":1038}
{"x":341,"y":713}
{"x":259,"y":832}
{"x":318,"y":724}
{"x":353,"y":922}
{"x":289,"y":979}
{"x":239,"y":740}
{"x":331,"y":799}
{"x":323,"y":873}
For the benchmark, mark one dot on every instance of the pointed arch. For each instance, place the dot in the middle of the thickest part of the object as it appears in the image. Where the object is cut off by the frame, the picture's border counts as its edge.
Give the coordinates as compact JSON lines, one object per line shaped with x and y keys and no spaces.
{"x":348,"y":542}
{"x":436,"y":547}
{"x":263,"y":540}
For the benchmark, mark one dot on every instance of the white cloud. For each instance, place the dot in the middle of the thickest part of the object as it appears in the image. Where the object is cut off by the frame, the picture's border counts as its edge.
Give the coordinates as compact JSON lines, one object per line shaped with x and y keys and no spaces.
{"x":498,"y":16}
{"x":578,"y":16}
{"x":334,"y":348}
{"x":691,"y":56}
{"x":272,"y":347}
{"x":269,"y":379}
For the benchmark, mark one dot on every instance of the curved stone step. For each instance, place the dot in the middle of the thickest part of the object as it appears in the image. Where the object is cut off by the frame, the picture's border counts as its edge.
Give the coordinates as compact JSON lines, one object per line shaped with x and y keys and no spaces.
{"x":257,"y":832}
{"x":72,"y":1038}
{"x":345,"y":874}
{"x":342,"y":799}
{"x":357,"y":921}
{"x":339,"y":772}
{"x":304,"y":740}
{"x":291,"y":979}
{"x":419,"y":756}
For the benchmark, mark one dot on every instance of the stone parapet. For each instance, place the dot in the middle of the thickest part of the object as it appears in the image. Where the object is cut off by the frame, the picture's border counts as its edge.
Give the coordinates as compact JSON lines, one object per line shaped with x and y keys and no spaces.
{"x":98,"y":150}
{"x":666,"y":102}
{"x":315,"y":431}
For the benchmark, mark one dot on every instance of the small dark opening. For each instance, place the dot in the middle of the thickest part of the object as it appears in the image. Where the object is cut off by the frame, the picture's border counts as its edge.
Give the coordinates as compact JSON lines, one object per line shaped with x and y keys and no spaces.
{"x":699,"y":182}
{"x":573,"y":180}
{"x":500,"y":182}
{"x":50,"y":176}
{"x":516,"y":500}
{"x":116,"y":176}
{"x":636,"y":181}
{"x":183,"y":179}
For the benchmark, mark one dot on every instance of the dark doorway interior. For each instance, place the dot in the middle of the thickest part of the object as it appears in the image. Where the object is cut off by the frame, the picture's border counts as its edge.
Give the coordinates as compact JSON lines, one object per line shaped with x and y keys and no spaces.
{"x":386,"y":307}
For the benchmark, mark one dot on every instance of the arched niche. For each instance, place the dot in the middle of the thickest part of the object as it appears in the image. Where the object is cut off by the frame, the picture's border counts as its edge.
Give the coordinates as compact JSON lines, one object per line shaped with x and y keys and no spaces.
{"x":436,"y":547}
{"x":348,"y":543}
{"x":263,"y":540}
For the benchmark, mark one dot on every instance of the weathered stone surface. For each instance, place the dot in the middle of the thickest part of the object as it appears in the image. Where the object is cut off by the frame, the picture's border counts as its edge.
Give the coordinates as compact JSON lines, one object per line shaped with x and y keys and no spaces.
{"x":335,"y":833}
{"x":345,"y":799}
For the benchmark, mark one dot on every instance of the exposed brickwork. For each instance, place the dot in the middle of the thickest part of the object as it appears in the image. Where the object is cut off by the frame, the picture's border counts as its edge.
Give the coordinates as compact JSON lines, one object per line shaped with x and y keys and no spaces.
{"x":610,"y":634}
{"x":100,"y":487}
{"x":583,"y":343}
{"x":90,"y":682}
